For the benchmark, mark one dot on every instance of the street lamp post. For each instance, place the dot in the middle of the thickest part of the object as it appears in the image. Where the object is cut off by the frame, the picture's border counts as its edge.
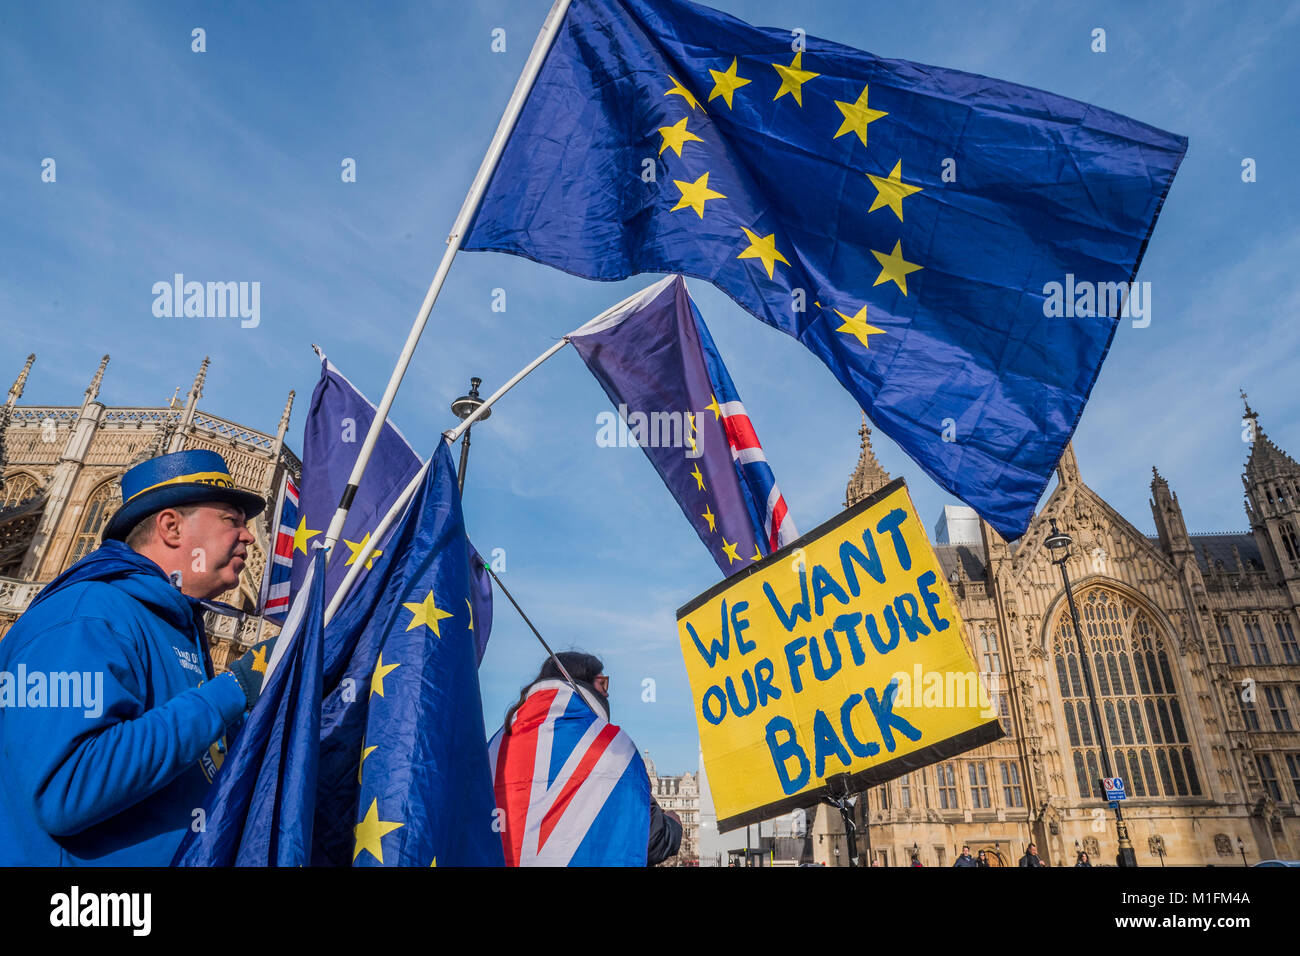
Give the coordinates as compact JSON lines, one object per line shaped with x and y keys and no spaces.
{"x":463,"y":408}
{"x":1241,"y":846}
{"x":1058,"y":543}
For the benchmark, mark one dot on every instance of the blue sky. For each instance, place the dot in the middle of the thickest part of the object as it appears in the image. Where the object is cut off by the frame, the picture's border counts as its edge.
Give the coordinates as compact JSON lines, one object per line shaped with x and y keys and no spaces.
{"x":225,"y":165}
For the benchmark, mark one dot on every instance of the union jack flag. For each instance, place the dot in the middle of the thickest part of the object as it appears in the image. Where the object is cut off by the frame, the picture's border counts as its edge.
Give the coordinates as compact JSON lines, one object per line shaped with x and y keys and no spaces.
{"x":654,"y":357}
{"x":768,"y":509}
{"x":275,"y":580}
{"x":572,"y":786}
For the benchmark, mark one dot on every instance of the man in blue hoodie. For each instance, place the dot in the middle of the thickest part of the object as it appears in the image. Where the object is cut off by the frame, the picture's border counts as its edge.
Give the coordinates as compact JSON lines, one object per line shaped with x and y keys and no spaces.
{"x":111,"y":721}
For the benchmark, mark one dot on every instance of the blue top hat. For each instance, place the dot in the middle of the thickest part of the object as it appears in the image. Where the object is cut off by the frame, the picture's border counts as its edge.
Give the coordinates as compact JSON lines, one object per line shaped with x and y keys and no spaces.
{"x":181,"y":478}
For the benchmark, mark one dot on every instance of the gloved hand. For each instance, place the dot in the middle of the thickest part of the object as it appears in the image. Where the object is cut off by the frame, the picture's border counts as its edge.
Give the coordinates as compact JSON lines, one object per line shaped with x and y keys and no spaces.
{"x":250,"y":670}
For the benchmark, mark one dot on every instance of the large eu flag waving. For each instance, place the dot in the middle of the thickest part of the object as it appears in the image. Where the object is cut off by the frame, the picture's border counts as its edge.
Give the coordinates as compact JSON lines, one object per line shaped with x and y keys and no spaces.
{"x":904,"y":222}
{"x":404,"y":776}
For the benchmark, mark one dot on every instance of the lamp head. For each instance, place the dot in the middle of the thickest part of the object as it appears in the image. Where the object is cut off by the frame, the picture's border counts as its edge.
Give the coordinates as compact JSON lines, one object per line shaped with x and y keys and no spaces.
{"x":1058,"y":543}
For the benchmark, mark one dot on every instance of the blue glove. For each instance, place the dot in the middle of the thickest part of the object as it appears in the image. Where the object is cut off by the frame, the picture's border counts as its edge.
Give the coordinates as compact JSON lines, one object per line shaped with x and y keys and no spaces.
{"x":250,"y":670}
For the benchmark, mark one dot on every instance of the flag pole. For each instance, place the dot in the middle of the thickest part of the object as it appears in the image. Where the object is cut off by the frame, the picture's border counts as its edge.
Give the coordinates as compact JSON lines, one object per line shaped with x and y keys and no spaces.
{"x":400,"y":503}
{"x":532,"y":66}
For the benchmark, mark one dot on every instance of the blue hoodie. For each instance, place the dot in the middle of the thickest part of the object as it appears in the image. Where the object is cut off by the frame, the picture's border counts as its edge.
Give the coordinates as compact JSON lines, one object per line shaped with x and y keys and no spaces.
{"x":107,"y":767}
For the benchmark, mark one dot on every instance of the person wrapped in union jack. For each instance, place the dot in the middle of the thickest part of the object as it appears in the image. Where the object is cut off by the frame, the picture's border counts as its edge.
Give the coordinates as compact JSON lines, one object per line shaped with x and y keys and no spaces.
{"x":573,"y":787}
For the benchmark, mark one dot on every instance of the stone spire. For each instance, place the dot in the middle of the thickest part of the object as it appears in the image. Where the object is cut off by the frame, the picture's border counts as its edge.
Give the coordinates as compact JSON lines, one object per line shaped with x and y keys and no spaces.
{"x":92,"y":390}
{"x":196,"y":390}
{"x":16,"y":390}
{"x":868,"y":476}
{"x":174,"y":434}
{"x":1168,"y":515}
{"x":6,"y":410}
{"x":1266,"y":459}
{"x":284,"y":423}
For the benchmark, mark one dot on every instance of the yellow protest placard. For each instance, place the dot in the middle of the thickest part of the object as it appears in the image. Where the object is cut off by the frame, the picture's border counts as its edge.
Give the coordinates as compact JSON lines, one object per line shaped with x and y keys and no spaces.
{"x":842,"y":653}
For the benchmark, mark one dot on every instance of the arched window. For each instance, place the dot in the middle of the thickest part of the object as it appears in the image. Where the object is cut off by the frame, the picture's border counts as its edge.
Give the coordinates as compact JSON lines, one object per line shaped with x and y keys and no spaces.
{"x":99,"y":507}
{"x":1290,"y":542}
{"x":18,"y":488}
{"x":991,"y":658}
{"x":1123,"y":641}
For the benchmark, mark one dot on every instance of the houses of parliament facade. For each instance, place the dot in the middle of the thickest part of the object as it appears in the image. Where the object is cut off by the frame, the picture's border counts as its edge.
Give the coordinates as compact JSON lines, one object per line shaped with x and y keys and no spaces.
{"x":1193,"y":644}
{"x":60,"y":468}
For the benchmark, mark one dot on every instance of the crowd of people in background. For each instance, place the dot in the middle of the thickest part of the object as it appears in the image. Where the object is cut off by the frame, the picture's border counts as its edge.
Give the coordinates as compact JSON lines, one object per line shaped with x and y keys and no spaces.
{"x":1030,"y":859}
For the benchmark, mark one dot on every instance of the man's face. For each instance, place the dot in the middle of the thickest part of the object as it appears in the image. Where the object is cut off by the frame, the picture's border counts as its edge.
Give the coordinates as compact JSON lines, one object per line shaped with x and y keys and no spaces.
{"x":215,"y":537}
{"x":601,"y":683}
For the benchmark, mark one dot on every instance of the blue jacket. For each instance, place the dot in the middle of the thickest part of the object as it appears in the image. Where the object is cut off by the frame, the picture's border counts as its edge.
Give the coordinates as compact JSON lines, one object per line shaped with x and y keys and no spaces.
{"x":110,"y":723}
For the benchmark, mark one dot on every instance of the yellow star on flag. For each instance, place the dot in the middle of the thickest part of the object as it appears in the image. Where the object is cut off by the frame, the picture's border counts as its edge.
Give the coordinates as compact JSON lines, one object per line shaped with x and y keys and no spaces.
{"x":684,"y":93}
{"x":857,"y":117}
{"x":726,"y":84}
{"x":793,"y":77}
{"x":758,"y":555}
{"x":471,"y":613}
{"x":365,"y":752}
{"x":857,"y":326}
{"x":699,"y":478}
{"x":763,"y":248}
{"x":714,"y":407}
{"x":381,"y":671}
{"x":677,"y":136}
{"x":302,"y":535}
{"x":425,"y":613}
{"x":358,"y":548}
{"x":891,"y":190}
{"x":894,"y":266}
{"x":259,"y":659}
{"x":729,"y":549}
{"x":370,"y":833}
{"x":709,"y":517}
{"x":695,"y":195}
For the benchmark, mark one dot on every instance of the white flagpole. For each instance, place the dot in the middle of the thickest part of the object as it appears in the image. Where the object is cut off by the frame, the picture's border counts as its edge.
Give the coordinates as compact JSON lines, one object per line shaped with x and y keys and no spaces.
{"x":533,"y":65}
{"x":400,"y":503}
{"x":292,"y":622}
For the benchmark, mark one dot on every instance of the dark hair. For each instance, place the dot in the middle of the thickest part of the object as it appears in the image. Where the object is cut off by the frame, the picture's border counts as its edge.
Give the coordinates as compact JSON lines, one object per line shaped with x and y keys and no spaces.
{"x":583,"y":668}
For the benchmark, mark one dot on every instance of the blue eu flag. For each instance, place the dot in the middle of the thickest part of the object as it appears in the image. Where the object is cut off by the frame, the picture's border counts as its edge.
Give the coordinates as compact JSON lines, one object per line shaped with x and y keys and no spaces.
{"x":404,"y":778}
{"x":336,"y":426}
{"x":259,"y":811}
{"x":337,"y":422}
{"x":904,"y":222}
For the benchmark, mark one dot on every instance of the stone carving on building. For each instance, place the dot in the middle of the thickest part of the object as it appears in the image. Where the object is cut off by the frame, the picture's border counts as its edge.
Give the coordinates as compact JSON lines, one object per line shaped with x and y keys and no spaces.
{"x":60,"y":471}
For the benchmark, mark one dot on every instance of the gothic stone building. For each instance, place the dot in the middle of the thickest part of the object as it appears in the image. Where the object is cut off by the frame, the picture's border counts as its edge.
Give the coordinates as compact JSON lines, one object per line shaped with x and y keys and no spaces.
{"x":680,"y":793}
{"x":1193,"y":643}
{"x":60,"y":469}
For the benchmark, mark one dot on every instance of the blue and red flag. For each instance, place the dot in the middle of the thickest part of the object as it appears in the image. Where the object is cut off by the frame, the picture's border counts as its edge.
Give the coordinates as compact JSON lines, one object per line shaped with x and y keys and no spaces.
{"x":276,"y":582}
{"x":336,"y":425}
{"x":337,"y":422}
{"x":906,"y":223}
{"x":574,"y":789}
{"x":655,"y":359}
